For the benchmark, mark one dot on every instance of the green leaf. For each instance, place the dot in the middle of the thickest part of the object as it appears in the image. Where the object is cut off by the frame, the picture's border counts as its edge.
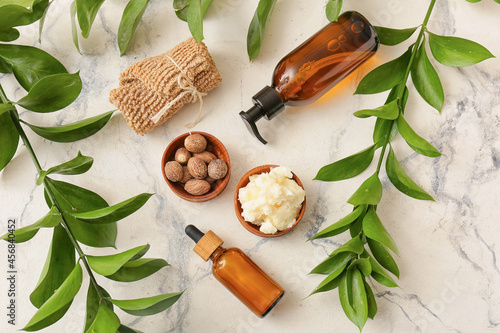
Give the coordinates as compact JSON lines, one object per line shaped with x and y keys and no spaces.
{"x":348,"y":167}
{"x":333,"y":8}
{"x":204,"y":6}
{"x":363,"y":264}
{"x":195,"y":20}
{"x":147,"y":306}
{"x":345,"y":294}
{"x":384,"y":127}
{"x":182,"y":13}
{"x":61,"y":297}
{"x":257,"y":28}
{"x":105,"y":320}
{"x":381,"y":276}
{"x":383,"y":256}
{"x":334,"y":264}
{"x":401,"y":180}
{"x":131,"y":17}
{"x":137,"y":269}
{"x":140,"y":254}
{"x":13,"y":15}
{"x":416,"y":142}
{"x":5,"y":67}
{"x":353,"y":297}
{"x":387,"y":111}
{"x":474,"y":1}
{"x":340,"y":226}
{"x":52,"y":93}
{"x":182,"y":8}
{"x":74,"y":30}
{"x":356,"y":228}
{"x":59,"y":264}
{"x":369,"y":193}
{"x":180,"y":4}
{"x":374,"y":229}
{"x":372,"y":303}
{"x":86,"y":13}
{"x":426,"y":79}
{"x":50,"y":319}
{"x":80,"y":164}
{"x":96,"y":235}
{"x":57,"y":268}
{"x":75,"y":131}
{"x":385,"y":76}
{"x":9,"y":139}
{"x":9,"y":35}
{"x":360,"y":302}
{"x":116,"y":212}
{"x":51,"y":219}
{"x":93,"y":304}
{"x":24,"y":3}
{"x":329,"y":283}
{"x":457,"y":52}
{"x":388,"y":36}
{"x":110,"y":264}
{"x":29,"y":64}
{"x":6,"y":107}
{"x":354,"y":245}
{"x":72,"y":198}
{"x":41,"y":23}
{"x":126,"y":329}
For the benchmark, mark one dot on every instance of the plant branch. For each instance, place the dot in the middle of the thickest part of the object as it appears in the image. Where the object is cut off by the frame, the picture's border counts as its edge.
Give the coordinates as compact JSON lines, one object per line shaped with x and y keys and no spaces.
{"x":423,"y":27}
{"x":3,"y":96}
{"x":402,"y":84}
{"x":15,"y":119}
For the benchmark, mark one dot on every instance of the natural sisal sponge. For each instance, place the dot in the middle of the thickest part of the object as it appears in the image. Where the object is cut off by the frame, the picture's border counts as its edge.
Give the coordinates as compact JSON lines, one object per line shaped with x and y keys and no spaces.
{"x":161,"y":85}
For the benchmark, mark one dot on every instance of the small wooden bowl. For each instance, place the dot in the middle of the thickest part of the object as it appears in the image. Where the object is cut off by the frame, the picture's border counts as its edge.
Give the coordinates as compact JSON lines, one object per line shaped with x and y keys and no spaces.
{"x":215,"y":147}
{"x":254,"y":229}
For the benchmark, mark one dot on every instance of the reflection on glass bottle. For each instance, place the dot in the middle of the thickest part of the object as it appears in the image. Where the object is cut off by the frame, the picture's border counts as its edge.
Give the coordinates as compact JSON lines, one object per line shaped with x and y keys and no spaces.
{"x":313,"y":68}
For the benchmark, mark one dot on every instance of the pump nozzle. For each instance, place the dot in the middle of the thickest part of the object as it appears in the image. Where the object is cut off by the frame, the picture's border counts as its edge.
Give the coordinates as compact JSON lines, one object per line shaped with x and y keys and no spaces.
{"x":249,"y":118}
{"x":267,"y":104}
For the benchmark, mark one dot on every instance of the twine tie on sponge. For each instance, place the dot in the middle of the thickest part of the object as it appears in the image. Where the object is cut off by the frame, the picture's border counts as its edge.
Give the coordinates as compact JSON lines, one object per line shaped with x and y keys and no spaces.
{"x":154,"y":89}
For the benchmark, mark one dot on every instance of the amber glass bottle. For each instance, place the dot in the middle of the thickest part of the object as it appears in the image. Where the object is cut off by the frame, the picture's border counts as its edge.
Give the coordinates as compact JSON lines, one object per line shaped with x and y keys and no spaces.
{"x":313,"y":68}
{"x":238,"y":273}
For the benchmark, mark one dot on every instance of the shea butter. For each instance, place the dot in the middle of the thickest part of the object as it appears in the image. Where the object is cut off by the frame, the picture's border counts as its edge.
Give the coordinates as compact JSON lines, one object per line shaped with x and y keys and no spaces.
{"x":272,"y":200}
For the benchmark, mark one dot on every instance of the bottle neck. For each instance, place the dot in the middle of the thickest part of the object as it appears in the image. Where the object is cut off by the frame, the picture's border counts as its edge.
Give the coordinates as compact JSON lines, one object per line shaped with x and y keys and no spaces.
{"x":217,"y":253}
{"x":269,"y":101}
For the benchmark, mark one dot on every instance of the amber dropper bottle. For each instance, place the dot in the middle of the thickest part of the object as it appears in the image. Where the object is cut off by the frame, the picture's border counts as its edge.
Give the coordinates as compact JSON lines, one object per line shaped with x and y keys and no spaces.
{"x":237,"y":272}
{"x":315,"y":67}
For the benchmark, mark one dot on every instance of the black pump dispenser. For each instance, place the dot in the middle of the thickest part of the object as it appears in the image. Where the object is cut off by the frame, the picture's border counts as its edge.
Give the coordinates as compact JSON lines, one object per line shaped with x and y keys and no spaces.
{"x":313,"y":68}
{"x":267,"y":104}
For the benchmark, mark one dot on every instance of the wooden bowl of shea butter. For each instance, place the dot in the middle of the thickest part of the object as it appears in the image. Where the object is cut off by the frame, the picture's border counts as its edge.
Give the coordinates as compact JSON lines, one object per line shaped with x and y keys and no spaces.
{"x":253,"y":228}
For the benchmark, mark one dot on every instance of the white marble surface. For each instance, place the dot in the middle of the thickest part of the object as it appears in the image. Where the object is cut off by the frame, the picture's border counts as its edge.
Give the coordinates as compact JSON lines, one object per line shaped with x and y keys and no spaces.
{"x":450,"y":275}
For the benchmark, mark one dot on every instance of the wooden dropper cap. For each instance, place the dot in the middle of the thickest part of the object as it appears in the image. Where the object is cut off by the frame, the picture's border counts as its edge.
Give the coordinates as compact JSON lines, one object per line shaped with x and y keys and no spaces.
{"x":206,"y":244}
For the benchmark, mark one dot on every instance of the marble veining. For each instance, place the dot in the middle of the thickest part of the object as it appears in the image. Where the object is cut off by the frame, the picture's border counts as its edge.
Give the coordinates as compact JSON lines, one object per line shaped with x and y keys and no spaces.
{"x":450,"y":274}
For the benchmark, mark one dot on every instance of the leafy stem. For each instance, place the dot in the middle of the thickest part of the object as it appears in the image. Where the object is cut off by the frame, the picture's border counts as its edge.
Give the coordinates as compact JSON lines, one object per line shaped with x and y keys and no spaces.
{"x":402,"y":84}
{"x":77,"y":215}
{"x":368,"y":253}
{"x":423,"y":28}
{"x":15,"y":118}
